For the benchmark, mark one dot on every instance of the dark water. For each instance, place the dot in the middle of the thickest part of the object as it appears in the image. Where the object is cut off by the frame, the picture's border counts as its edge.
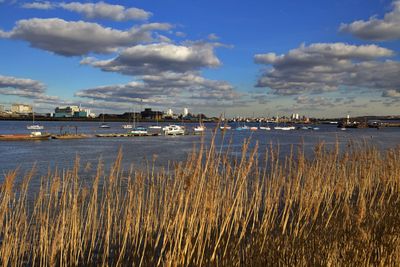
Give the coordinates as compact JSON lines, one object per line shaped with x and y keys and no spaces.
{"x":139,"y":150}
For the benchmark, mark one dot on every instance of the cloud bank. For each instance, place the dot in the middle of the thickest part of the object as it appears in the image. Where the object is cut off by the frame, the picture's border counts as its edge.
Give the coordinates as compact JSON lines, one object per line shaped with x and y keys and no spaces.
{"x":324,"y":67}
{"x":76,"y":38}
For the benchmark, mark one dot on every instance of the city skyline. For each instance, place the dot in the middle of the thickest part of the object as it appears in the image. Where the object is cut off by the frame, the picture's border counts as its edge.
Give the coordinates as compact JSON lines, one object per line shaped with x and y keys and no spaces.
{"x":320,"y":59}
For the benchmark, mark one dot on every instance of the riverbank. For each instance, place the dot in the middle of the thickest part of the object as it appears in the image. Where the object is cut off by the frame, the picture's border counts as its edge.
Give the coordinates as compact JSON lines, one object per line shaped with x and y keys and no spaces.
{"x":335,"y":208}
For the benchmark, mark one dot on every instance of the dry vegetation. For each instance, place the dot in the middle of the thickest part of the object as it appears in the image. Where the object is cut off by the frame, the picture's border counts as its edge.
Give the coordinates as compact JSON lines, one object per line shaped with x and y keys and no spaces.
{"x":338,"y":208}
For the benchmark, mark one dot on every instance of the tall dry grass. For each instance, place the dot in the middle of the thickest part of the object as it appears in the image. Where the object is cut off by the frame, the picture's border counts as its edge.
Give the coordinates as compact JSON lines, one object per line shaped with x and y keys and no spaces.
{"x":337,"y":208}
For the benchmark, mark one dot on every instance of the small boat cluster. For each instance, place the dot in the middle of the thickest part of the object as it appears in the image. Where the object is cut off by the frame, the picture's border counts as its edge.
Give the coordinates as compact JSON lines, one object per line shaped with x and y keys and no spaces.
{"x":267,"y":128}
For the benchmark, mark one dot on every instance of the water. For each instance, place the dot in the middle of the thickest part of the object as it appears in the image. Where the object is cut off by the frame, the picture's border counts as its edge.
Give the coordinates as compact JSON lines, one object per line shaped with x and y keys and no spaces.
{"x":138,"y":151}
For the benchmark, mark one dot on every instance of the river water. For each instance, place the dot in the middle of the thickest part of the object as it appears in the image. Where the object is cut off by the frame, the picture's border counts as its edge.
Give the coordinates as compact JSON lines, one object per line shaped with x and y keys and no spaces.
{"x":138,"y":151}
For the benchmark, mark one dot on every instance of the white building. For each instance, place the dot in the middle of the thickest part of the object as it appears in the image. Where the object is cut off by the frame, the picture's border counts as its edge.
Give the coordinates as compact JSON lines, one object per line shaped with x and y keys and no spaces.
{"x":185,"y":112}
{"x":169,"y":113}
{"x":21,"y":108}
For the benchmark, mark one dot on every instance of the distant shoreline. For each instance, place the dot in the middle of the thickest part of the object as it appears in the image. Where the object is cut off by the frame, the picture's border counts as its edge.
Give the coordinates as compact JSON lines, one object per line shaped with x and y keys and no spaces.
{"x":95,"y":119}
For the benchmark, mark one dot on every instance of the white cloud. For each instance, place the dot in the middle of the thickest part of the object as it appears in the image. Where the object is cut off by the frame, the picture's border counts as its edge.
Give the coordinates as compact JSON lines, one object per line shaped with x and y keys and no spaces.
{"x":160,"y":57}
{"x":29,"y":85}
{"x":39,"y":5}
{"x":26,"y":88}
{"x":99,"y":10}
{"x":102,"y":10}
{"x":376,"y":29}
{"x":165,"y":89}
{"x":325,"y":67}
{"x":74,"y":38}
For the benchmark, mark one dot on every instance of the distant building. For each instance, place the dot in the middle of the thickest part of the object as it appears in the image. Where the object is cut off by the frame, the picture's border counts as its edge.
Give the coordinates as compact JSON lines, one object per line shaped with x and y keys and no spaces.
{"x":21,"y":108}
{"x":295,"y":116}
{"x":72,"y":112}
{"x":2,"y":109}
{"x":169,"y":113}
{"x":185,"y":112}
{"x":149,"y":114}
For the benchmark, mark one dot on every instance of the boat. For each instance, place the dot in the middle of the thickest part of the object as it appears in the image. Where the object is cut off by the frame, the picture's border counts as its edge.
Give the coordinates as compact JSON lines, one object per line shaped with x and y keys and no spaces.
{"x":174,"y":130}
{"x":242,"y":128}
{"x":156,"y":127}
{"x":34,"y":126}
{"x":285,"y":128}
{"x":199,"y":128}
{"x":104,"y":125}
{"x":265,"y":128}
{"x":253,"y":128}
{"x":129,"y":125}
{"x":139,"y":131}
{"x":225,"y":127}
{"x":33,"y":136}
{"x":69,"y":136}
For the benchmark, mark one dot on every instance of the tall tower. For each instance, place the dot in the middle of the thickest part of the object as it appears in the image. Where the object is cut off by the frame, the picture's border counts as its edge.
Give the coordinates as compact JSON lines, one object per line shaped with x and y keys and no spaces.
{"x":185,"y":112}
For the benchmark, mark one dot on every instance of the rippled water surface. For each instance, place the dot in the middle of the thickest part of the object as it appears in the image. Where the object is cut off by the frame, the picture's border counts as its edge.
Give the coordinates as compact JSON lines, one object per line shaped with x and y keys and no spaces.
{"x":166,"y":149}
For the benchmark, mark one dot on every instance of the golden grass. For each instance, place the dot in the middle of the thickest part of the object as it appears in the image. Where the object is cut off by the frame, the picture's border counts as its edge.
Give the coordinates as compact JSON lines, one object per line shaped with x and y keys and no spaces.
{"x":338,"y":208}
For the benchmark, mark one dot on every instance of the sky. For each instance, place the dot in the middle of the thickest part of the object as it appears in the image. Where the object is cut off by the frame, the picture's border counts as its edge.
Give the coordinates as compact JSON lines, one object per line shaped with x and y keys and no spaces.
{"x":241,"y":58}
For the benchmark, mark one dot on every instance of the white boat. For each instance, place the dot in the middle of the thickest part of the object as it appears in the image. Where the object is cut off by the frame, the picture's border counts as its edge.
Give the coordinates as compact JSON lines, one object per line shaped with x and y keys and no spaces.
{"x":265,"y":128}
{"x":253,"y":128}
{"x":174,"y":130}
{"x":155,"y":127}
{"x":199,"y":128}
{"x":34,"y":126}
{"x":225,"y":127}
{"x":127,"y":126}
{"x":139,"y":131}
{"x":285,"y":128}
{"x":104,"y":126}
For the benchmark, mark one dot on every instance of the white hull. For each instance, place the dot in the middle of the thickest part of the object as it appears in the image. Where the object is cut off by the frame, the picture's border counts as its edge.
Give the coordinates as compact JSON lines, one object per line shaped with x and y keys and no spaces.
{"x":265,"y":128}
{"x":174,"y":130}
{"x":289,"y":128}
{"x":34,"y":127}
{"x":155,"y":127}
{"x":127,"y":126}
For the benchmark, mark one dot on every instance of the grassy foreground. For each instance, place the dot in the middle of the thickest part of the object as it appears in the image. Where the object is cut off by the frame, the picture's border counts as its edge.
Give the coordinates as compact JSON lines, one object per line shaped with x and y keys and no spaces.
{"x":338,"y":208}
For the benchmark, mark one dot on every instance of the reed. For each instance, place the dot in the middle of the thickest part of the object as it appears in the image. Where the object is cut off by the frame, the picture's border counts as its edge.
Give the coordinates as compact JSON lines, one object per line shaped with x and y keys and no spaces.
{"x":335,"y":208}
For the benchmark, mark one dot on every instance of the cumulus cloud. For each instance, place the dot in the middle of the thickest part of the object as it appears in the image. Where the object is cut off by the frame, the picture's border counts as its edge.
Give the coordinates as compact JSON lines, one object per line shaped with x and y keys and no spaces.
{"x":102,"y":10}
{"x":74,"y":38}
{"x":165,"y":89}
{"x":325,"y":67}
{"x":159,"y":57}
{"x":376,"y":29}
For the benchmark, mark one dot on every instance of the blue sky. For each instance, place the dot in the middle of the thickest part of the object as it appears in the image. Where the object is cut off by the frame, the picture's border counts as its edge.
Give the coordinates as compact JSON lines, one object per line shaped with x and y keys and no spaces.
{"x":325,"y":58}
